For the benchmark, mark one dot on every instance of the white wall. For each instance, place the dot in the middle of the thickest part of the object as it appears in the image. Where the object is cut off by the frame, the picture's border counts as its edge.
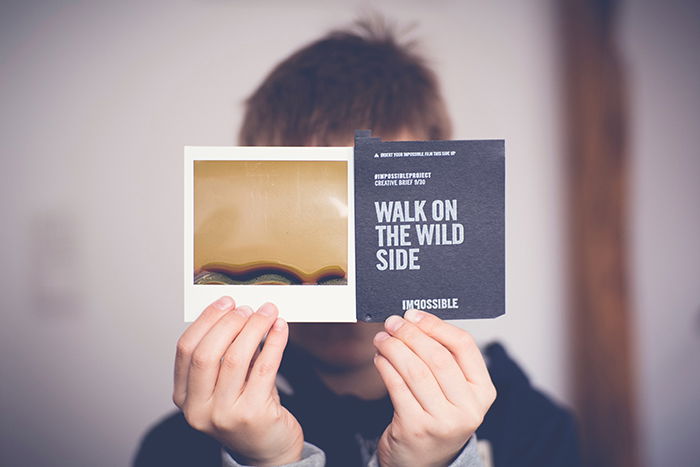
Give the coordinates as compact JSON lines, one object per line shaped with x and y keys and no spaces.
{"x":661,"y":41}
{"x":97,"y":101}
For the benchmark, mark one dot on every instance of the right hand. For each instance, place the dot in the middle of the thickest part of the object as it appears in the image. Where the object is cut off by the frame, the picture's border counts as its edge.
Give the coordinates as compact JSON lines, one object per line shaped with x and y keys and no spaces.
{"x":227,"y":392}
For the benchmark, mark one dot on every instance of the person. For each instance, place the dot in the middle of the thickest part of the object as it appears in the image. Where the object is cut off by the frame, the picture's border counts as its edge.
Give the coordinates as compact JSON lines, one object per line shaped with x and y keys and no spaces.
{"x":413,"y":391}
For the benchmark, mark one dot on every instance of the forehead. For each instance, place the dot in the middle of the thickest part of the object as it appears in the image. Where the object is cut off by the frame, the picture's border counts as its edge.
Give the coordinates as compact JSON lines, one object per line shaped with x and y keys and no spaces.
{"x":403,"y":135}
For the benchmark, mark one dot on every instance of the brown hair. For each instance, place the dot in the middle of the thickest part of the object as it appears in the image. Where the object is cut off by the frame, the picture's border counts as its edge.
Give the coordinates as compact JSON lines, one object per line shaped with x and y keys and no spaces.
{"x":359,"y":78}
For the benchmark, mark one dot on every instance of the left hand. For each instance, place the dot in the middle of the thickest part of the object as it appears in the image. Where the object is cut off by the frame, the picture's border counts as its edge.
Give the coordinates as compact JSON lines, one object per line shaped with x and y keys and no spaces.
{"x":438,"y":384}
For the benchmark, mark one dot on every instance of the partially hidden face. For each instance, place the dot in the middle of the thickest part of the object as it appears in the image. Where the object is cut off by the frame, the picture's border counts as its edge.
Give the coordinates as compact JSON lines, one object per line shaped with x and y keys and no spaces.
{"x":337,"y":345}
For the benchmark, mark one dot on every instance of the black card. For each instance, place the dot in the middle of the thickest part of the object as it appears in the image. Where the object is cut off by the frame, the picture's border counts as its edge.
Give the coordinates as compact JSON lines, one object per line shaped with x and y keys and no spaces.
{"x":429,"y":227}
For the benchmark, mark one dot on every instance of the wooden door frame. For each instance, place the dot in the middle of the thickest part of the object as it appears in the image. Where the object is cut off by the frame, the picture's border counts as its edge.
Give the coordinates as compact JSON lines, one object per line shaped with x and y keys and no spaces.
{"x":597,"y":163}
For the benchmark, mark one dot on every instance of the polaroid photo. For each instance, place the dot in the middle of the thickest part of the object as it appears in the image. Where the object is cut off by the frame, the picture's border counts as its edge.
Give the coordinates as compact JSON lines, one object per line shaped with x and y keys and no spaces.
{"x":271,"y":224}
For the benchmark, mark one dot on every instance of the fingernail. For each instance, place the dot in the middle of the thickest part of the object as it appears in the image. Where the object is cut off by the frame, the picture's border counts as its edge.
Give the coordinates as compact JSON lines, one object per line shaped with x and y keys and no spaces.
{"x":393,"y":323}
{"x":268,"y":309}
{"x":224,"y":303}
{"x":244,"y":311}
{"x":413,"y":315}
{"x":280,"y":324}
{"x":381,"y":336}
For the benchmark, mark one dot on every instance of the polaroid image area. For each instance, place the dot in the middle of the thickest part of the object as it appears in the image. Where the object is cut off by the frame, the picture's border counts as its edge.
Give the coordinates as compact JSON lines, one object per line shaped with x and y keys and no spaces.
{"x":271,"y":224}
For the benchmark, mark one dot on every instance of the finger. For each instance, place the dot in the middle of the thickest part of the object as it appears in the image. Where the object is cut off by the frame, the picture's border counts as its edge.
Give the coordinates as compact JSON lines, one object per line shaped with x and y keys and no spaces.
{"x":261,"y":380}
{"x":206,"y":359}
{"x":238,"y":356}
{"x":441,"y":362}
{"x":403,"y":400}
{"x":457,"y":341}
{"x":189,"y":340}
{"x":414,"y":371}
{"x":254,"y":359}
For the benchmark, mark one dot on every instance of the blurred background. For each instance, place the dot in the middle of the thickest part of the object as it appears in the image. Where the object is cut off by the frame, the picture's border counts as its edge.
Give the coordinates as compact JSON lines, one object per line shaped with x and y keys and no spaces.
{"x":97,"y":100}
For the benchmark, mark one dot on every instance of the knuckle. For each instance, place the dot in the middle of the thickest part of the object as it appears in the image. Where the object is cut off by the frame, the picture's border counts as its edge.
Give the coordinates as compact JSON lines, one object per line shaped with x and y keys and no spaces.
{"x":220,"y":420}
{"x":418,"y":373}
{"x":265,"y":368}
{"x":231,"y":361}
{"x":442,"y":430}
{"x":395,"y":384}
{"x":246,"y":419}
{"x":492,"y":393}
{"x":442,"y":360}
{"x":210,"y":312}
{"x":273,"y":346}
{"x":409,"y":332}
{"x":183,"y":349}
{"x":178,"y":400}
{"x":202,"y":360}
{"x":275,"y":415}
{"x":452,"y":428}
{"x":466,"y":341}
{"x":196,"y":420}
{"x":474,"y":417}
{"x":387,"y":346}
{"x":429,"y":323}
{"x":258,"y":322}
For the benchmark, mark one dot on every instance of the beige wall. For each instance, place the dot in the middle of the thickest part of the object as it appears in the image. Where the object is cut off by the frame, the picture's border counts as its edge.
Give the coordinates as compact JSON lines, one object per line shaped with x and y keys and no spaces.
{"x":98,"y":100}
{"x":661,"y":42}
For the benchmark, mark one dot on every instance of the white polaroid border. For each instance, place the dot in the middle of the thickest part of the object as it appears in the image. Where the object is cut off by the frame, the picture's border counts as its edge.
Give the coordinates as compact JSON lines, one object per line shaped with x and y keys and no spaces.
{"x":296,"y":303}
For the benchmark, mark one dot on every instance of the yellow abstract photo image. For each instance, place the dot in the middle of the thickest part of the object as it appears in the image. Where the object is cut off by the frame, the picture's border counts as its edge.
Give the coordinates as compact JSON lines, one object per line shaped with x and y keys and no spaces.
{"x":270,"y":222}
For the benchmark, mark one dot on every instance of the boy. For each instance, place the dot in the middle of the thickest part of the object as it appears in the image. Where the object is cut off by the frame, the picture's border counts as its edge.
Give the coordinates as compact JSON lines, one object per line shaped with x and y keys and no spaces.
{"x":413,"y":391}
